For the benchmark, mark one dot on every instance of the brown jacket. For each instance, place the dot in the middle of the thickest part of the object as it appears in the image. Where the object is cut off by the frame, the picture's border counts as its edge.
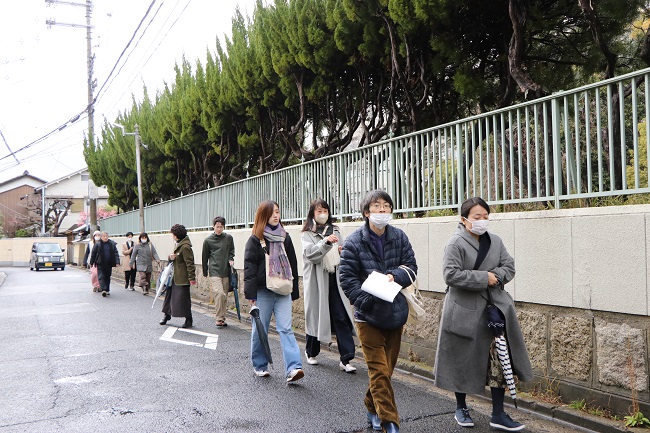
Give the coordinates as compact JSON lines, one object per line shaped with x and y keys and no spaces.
{"x":126,"y":252}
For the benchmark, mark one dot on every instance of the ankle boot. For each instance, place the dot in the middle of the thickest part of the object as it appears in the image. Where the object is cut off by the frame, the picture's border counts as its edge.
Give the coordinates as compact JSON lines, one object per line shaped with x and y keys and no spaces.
{"x":165,"y":319}
{"x":187,"y":324}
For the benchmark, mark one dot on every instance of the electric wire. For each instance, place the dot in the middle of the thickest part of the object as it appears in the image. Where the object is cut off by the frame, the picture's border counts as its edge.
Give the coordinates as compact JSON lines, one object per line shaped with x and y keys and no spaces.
{"x":132,"y":51}
{"x":138,"y":67}
{"x":77,"y":117}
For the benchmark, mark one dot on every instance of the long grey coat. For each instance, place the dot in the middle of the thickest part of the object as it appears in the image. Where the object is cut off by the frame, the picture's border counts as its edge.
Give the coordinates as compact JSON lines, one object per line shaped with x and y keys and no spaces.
{"x":464,"y":341}
{"x":315,"y":281}
{"x":143,"y":256}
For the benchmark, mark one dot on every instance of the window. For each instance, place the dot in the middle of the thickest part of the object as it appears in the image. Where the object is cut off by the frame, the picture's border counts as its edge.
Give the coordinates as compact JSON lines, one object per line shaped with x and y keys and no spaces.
{"x":77,"y":205}
{"x":85,"y":177}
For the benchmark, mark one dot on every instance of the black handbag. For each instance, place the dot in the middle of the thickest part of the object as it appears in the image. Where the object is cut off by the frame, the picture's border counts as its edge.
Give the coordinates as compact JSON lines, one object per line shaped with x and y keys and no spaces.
{"x":495,"y":319}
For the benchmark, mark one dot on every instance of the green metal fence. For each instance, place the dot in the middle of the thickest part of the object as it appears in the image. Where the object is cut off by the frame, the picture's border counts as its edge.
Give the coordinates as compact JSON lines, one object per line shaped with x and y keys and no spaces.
{"x":574,"y":144}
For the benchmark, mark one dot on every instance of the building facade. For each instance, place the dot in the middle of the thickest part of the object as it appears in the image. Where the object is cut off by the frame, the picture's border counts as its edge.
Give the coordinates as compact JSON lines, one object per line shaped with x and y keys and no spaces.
{"x":13,"y":208}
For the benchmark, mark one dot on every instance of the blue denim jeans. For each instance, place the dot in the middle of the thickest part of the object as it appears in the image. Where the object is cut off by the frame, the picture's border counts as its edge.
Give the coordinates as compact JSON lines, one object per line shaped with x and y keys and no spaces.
{"x":269,"y":302}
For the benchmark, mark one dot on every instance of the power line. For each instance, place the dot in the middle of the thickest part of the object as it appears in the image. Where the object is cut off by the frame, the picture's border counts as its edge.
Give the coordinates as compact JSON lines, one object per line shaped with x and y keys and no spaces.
{"x":7,"y":144}
{"x":77,"y":117}
{"x":134,"y":47}
{"x":123,"y":51}
{"x":134,"y":75}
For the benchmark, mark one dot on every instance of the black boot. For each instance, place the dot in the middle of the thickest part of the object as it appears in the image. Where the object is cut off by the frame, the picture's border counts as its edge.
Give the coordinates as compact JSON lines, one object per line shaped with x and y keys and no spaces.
{"x":165,"y":319}
{"x":188,"y":323}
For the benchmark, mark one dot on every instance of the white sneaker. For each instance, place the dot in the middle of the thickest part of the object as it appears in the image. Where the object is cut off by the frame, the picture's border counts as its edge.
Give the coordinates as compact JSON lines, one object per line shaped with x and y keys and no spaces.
{"x":348,"y":368}
{"x":262,"y":373}
{"x":311,"y":360}
{"x":295,"y":375}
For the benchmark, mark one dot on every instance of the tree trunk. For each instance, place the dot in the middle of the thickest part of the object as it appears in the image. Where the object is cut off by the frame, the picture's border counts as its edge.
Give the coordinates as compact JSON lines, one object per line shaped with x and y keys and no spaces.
{"x":596,"y":27}
{"x":518,"y":10}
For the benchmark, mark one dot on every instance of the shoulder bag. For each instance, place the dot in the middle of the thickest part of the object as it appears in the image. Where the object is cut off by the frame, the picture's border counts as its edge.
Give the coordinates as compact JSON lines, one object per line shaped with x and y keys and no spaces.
{"x":275,"y":284}
{"x":413,"y":297}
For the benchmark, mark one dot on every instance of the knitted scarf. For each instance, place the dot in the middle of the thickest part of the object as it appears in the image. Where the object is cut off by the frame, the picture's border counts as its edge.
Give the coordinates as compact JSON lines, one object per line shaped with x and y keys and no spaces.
{"x":279,"y":265}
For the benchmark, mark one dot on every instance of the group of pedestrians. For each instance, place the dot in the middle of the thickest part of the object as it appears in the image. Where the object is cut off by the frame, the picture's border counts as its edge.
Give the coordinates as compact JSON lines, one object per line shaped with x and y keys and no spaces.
{"x":476,"y":267}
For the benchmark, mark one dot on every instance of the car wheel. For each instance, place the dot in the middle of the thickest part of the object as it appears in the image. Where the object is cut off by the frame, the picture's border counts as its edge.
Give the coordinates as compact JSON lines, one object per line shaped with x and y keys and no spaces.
{"x":37,"y":269}
{"x":63,"y":268}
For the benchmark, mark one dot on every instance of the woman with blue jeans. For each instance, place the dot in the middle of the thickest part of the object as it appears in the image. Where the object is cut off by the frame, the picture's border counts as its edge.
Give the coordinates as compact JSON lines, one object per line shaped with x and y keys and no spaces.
{"x":269,"y":237}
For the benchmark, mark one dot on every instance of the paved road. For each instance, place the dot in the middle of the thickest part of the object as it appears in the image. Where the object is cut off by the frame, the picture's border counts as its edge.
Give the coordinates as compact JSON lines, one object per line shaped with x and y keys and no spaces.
{"x":73,"y":361}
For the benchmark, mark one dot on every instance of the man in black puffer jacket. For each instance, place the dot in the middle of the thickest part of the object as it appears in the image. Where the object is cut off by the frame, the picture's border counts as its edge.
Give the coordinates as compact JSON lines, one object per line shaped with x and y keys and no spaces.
{"x":377,"y":246}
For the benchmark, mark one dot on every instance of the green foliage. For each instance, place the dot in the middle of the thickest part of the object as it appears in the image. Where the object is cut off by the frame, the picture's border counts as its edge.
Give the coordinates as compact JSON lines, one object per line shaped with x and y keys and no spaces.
{"x":22,"y":233}
{"x":578,"y":404}
{"x":298,"y":78}
{"x":637,"y":419}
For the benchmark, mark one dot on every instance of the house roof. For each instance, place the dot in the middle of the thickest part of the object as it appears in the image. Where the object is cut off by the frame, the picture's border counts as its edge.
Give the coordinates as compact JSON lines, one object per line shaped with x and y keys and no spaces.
{"x":67,"y":176}
{"x":25,"y":174}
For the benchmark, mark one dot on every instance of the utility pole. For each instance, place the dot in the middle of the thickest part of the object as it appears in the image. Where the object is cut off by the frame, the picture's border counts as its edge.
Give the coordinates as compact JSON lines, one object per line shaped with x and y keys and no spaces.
{"x":139,"y":174}
{"x":91,"y":85}
{"x":138,"y":143}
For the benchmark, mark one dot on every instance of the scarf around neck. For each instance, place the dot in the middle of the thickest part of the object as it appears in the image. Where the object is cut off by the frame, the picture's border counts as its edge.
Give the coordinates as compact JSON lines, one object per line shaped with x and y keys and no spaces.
{"x":279,"y":265}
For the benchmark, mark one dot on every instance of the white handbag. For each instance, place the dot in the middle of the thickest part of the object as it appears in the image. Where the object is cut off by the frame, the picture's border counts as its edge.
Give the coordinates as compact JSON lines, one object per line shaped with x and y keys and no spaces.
{"x":416,"y":311}
{"x":332,"y":259}
{"x":275,"y":284}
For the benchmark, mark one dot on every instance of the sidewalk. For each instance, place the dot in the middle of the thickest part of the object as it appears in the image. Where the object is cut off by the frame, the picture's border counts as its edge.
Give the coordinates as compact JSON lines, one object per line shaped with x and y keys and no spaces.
{"x":566,"y":418}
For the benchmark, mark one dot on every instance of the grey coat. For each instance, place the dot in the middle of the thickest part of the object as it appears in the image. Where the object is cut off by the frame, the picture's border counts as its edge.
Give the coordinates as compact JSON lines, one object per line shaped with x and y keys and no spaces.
{"x":143,"y":256}
{"x":464,"y":339}
{"x":315,"y":281}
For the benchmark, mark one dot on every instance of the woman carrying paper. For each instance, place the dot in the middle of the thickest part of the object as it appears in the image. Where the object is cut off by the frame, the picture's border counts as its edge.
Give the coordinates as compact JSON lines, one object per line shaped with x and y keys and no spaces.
{"x":378,"y":246}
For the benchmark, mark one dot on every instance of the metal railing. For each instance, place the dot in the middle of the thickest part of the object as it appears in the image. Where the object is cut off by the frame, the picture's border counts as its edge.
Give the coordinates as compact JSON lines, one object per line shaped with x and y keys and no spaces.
{"x":574,"y":144}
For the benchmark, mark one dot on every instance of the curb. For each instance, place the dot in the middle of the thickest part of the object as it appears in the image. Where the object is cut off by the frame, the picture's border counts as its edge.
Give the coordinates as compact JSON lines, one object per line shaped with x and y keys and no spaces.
{"x":2,"y":277}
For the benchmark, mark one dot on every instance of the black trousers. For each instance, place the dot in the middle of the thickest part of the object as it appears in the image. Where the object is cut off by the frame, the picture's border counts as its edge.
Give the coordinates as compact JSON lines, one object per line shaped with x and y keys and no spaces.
{"x":129,"y":278}
{"x":104,"y":277}
{"x":341,"y":326}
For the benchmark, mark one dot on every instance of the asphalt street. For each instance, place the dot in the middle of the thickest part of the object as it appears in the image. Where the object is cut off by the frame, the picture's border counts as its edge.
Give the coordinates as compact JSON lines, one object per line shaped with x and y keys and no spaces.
{"x":73,"y":361}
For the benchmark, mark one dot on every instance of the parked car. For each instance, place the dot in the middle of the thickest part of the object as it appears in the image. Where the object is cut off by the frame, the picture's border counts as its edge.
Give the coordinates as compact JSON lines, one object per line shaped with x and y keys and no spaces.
{"x":46,"y":255}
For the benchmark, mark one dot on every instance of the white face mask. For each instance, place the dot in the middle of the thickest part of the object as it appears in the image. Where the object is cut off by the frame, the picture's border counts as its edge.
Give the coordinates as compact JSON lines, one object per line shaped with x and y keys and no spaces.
{"x":321,"y":218}
{"x":479,"y":226}
{"x":143,"y":241}
{"x":380,"y":220}
{"x":97,"y":238}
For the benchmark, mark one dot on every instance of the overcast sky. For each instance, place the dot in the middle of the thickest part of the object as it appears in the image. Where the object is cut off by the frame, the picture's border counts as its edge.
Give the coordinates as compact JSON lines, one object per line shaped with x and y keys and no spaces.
{"x":43,"y":71}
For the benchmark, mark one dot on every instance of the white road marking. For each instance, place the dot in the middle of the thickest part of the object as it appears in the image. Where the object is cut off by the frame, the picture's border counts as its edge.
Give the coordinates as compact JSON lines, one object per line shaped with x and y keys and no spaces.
{"x":211,"y":340}
{"x":74,"y":380}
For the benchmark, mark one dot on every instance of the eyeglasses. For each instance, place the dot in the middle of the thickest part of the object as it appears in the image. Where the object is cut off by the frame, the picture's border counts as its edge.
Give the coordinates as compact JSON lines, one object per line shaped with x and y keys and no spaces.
{"x":377,"y":206}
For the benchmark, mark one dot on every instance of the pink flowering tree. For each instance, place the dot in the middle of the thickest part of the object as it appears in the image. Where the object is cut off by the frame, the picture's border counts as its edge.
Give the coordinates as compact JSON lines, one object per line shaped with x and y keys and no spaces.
{"x":102,"y":212}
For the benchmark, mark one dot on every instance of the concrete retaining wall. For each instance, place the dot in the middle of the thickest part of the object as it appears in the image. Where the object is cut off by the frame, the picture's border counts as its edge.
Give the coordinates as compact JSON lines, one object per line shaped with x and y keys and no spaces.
{"x":17,"y":251}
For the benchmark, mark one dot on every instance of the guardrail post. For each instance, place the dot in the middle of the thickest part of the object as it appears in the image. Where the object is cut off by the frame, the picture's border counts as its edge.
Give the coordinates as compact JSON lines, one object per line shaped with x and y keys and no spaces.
{"x":460,"y":187}
{"x":557,"y":154}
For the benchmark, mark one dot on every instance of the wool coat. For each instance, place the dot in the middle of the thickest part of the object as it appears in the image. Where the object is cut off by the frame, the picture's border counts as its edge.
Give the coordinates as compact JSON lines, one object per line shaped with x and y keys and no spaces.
{"x":184,"y":267}
{"x":127,"y":251}
{"x":462,"y":357}
{"x":315,"y":281}
{"x":255,"y":267}
{"x":143,"y":256}
{"x":359,"y":258}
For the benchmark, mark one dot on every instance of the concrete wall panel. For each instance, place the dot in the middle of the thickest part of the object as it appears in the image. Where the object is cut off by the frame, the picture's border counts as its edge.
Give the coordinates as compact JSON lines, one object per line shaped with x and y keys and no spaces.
{"x":544,"y":269}
{"x":606,"y":274}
